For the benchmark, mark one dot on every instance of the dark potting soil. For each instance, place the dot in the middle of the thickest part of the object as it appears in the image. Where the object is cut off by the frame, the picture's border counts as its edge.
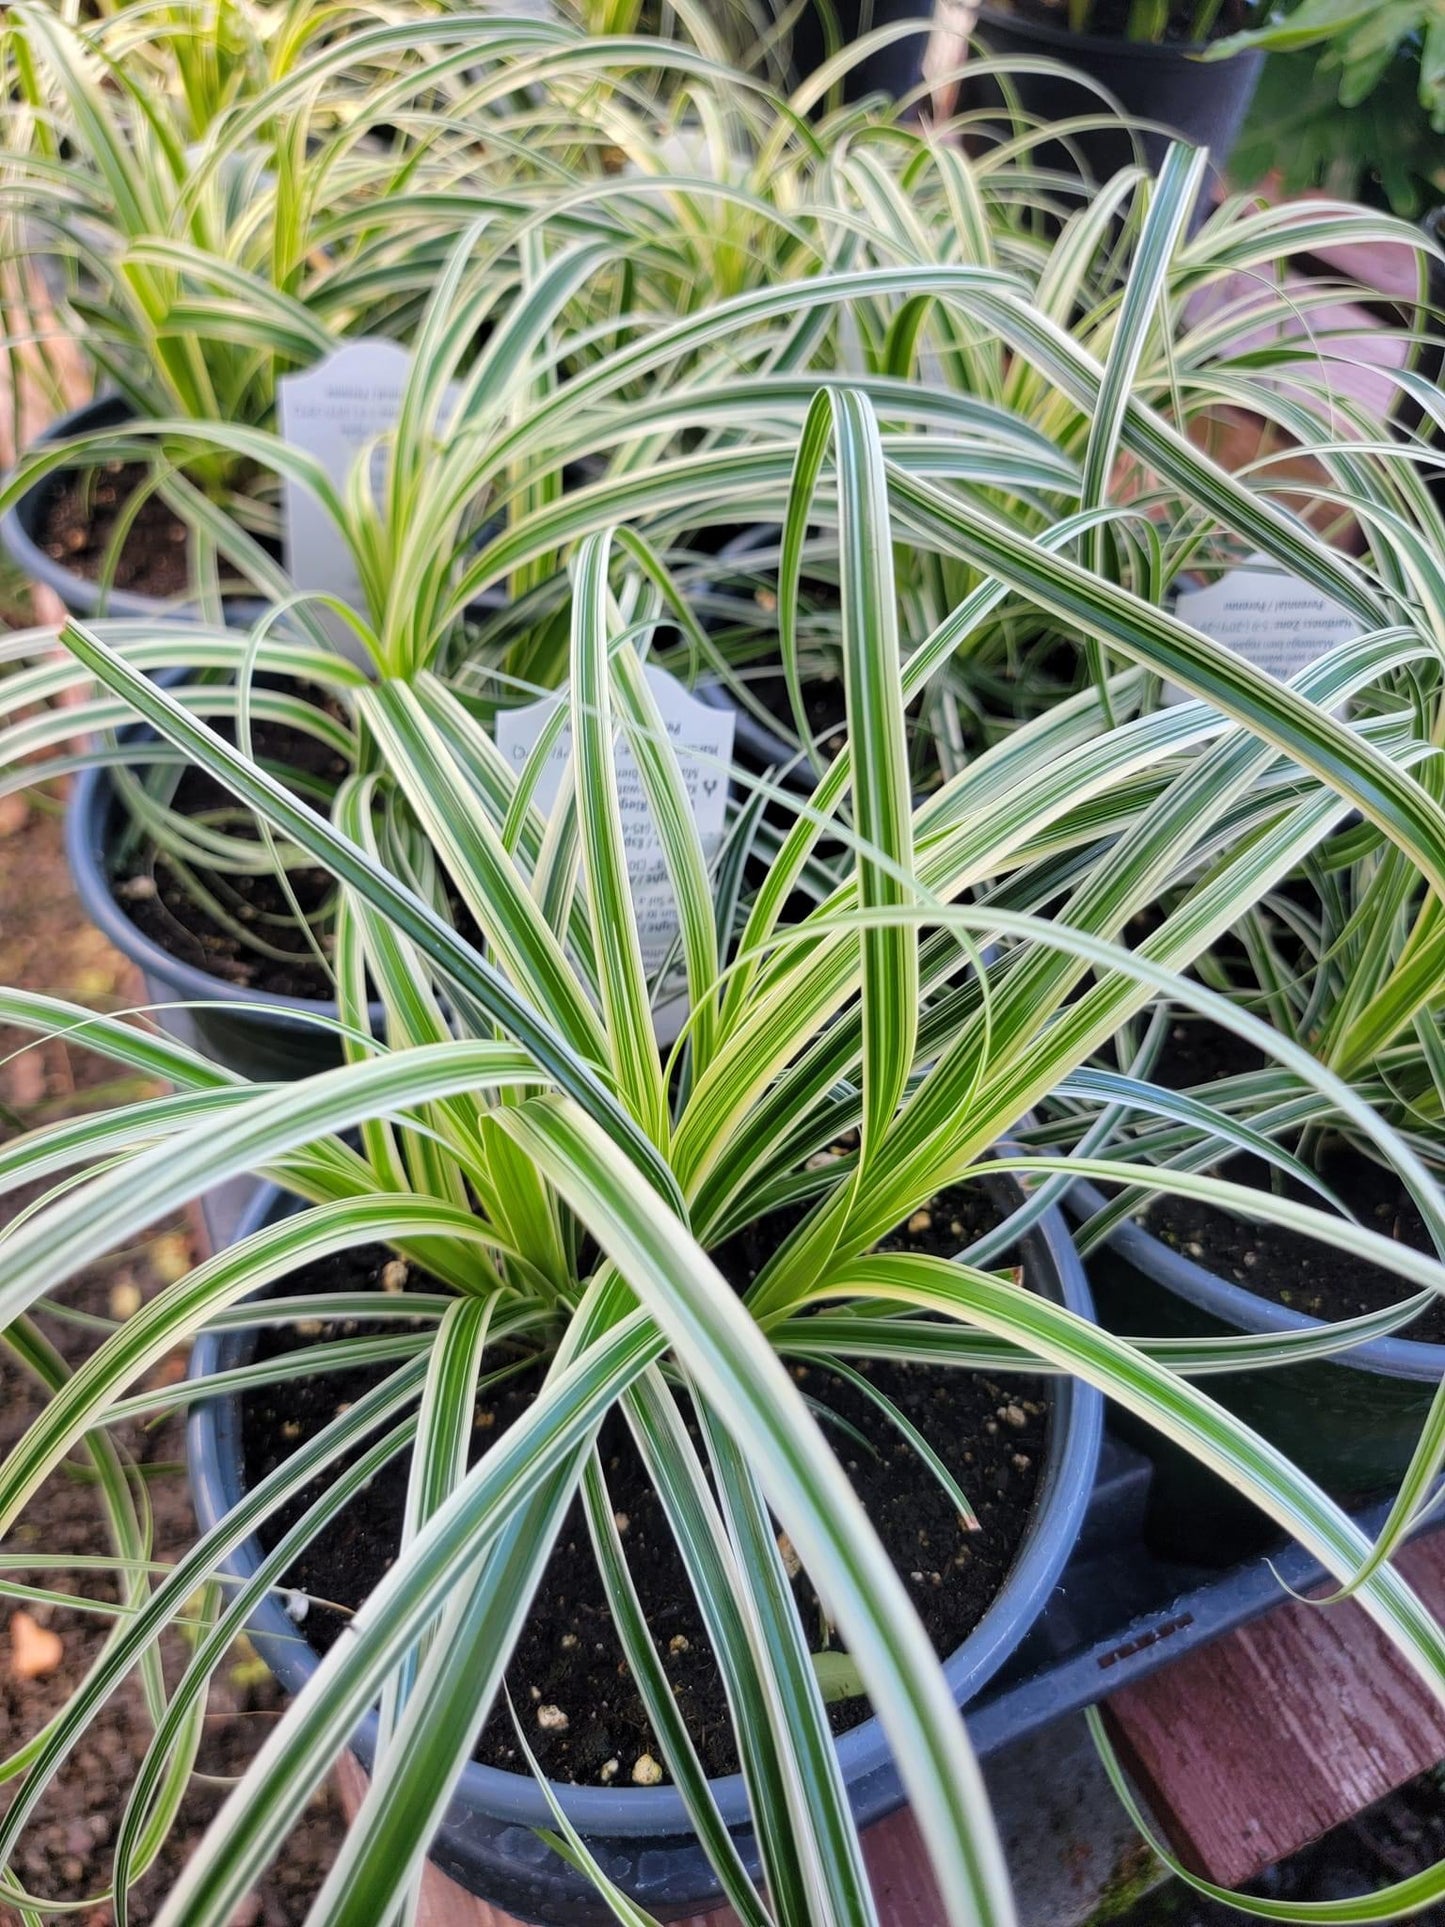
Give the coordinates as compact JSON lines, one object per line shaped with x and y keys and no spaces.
{"x":79,"y":525}
{"x":823,"y":705}
{"x":1306,"y":1275}
{"x":826,"y":709}
{"x":1322,"y":1280}
{"x":158,"y":901}
{"x":1199,"y":1052}
{"x":82,"y":512}
{"x":991,"y":1434}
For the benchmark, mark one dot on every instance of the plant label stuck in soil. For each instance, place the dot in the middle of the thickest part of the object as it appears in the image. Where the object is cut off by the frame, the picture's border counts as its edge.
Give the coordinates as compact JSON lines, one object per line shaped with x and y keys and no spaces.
{"x":1268,"y":616}
{"x":333,"y":412}
{"x":702,"y":738}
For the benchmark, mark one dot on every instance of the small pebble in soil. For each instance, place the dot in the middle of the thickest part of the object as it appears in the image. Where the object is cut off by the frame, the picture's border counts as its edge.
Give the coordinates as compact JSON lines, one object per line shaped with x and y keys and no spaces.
{"x":552,"y":1719}
{"x":125,"y":1299}
{"x":787,"y":1552}
{"x":920,"y":1221}
{"x":136,"y":889}
{"x":609,"y":1771}
{"x":580,"y":1654}
{"x":393,"y":1275}
{"x":646,"y":1771}
{"x":34,"y":1649}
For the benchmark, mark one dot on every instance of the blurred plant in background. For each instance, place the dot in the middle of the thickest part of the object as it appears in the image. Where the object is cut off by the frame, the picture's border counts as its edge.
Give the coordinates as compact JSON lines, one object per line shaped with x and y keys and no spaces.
{"x":1352,"y":100}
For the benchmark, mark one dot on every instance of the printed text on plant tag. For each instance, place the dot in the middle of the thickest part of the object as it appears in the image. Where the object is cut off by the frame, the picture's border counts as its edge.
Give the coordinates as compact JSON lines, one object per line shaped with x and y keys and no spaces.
{"x":1272,"y":619}
{"x":702,"y":738}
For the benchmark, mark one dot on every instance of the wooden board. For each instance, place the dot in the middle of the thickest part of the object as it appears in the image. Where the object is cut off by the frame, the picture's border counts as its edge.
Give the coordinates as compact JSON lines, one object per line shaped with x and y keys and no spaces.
{"x":1384,"y":269}
{"x":903,"y":1885}
{"x":1252,"y":1747}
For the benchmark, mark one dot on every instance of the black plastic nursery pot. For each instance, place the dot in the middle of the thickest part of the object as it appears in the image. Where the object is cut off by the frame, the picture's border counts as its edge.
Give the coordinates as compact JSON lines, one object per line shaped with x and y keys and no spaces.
{"x":762,"y":746}
{"x":259,"y":1033}
{"x":894,"y":69}
{"x":758,"y":748}
{"x":22,"y":528}
{"x":1203,"y":102}
{"x":490,"y":1839}
{"x":1351,"y":1421}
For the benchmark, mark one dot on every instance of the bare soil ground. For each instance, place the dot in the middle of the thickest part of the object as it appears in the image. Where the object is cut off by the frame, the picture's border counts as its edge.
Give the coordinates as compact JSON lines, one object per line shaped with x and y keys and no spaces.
{"x":46,"y":943}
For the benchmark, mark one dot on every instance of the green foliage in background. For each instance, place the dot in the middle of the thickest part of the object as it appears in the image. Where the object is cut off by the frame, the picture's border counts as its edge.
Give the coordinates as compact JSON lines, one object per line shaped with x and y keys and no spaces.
{"x":1352,"y":100}
{"x":1383,"y":150}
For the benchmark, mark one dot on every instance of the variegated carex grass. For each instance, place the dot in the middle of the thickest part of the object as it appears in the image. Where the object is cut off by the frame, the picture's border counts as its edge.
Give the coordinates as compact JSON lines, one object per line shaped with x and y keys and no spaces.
{"x":964,"y":964}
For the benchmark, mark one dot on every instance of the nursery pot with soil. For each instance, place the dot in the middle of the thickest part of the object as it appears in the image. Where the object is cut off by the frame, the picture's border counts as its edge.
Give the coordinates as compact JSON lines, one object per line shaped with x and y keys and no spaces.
{"x":770,"y":744}
{"x":490,"y":1839}
{"x":263,"y":1034}
{"x":757,"y":745}
{"x":58,"y":519}
{"x":894,"y":69}
{"x":262,"y":1017}
{"x":1166,"y":84}
{"x":760,"y":749}
{"x":1350,"y":1421}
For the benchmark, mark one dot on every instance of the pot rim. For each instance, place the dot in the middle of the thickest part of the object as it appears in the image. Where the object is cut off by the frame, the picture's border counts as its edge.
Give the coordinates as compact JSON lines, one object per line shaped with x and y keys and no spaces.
{"x":1232,"y":1304}
{"x":865,"y":1758}
{"x":78,"y":591}
{"x":1162,"y":51}
{"x":91,"y":796}
{"x":84,"y":596}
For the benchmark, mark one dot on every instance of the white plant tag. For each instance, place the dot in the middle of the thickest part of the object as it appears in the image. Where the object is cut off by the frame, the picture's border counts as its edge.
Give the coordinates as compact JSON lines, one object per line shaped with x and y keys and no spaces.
{"x":702,"y":738}
{"x":1268,"y":616}
{"x":332,"y":411}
